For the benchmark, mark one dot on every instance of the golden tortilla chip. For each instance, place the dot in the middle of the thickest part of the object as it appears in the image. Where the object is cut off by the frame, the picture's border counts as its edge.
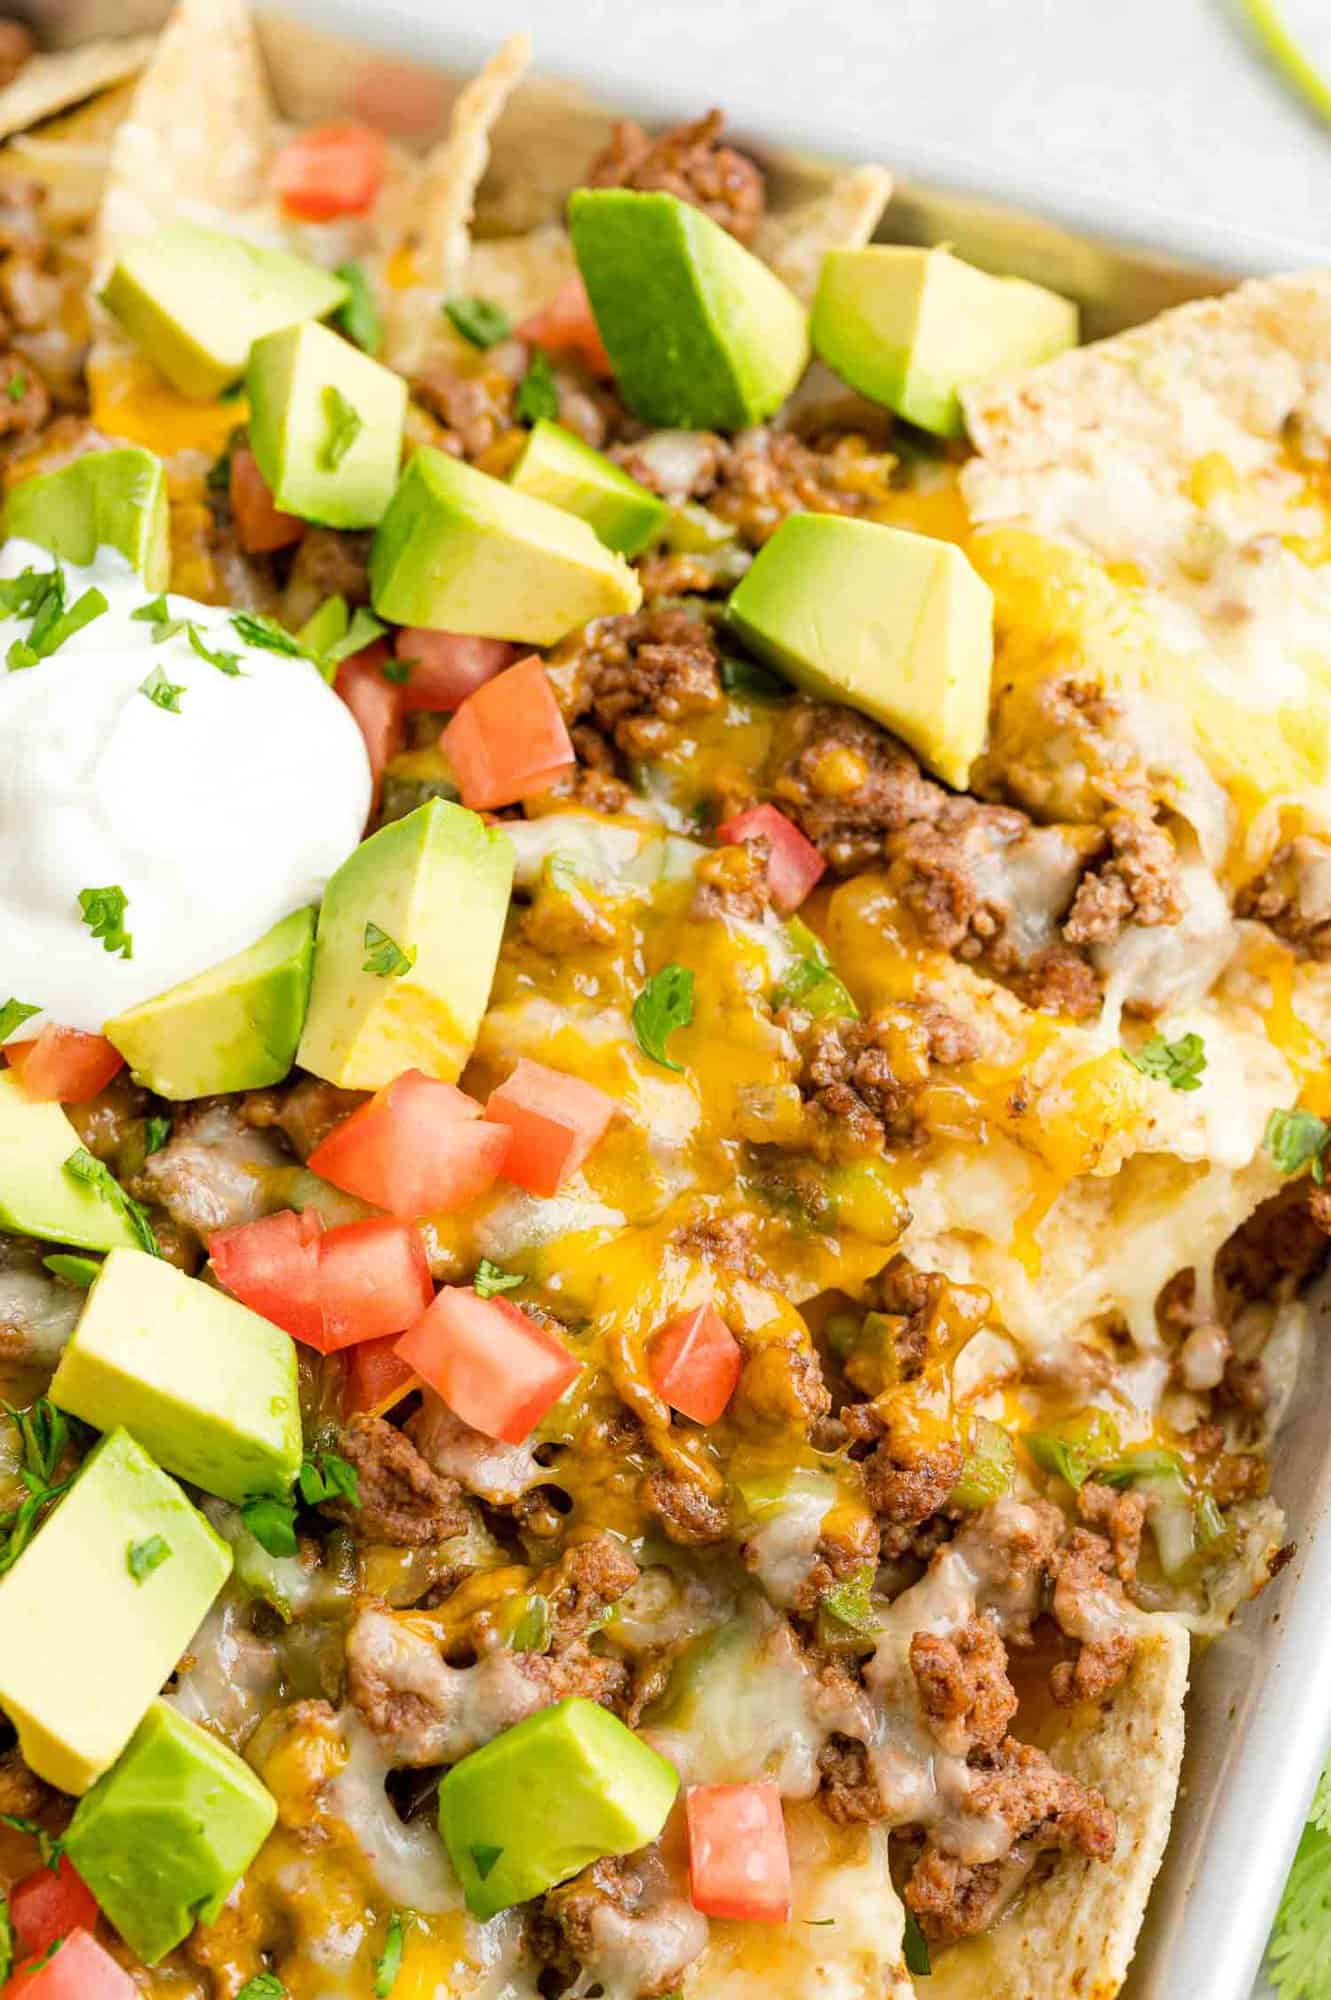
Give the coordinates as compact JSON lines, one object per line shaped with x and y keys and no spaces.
{"x":1073,"y":1930}
{"x":794,"y":241}
{"x":53,"y":83}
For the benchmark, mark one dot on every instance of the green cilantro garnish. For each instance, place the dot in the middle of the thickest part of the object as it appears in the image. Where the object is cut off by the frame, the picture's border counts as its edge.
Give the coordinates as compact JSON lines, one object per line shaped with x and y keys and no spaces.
{"x":21,"y":595}
{"x":36,"y":1964}
{"x":263,"y":1986}
{"x":43,"y":1433}
{"x":272,"y":1523}
{"x":915,"y":1948}
{"x":16,"y":388}
{"x":1299,"y":1962}
{"x":258,"y":630}
{"x":849,"y":1602}
{"x":326,"y":1475}
{"x":156,"y":1132}
{"x":144,"y":1557}
{"x":490,"y":1279}
{"x":1295,"y":1139}
{"x":389,"y":1963}
{"x":1179,"y":1064}
{"x":13,"y":1014}
{"x":6,"y":1941}
{"x":397,"y":671}
{"x":157,"y":613}
{"x":484,"y":1858}
{"x":104,"y":914}
{"x":345,"y":424}
{"x":161,"y":692}
{"x":537,"y":395}
{"x":90,"y":1173}
{"x":383,"y":957}
{"x":664,"y":1004}
{"x":480,"y":321}
{"x":226,"y":663}
{"x":77,"y":1271}
{"x":358,"y":316}
{"x":51,"y":624}
{"x":739,"y":676}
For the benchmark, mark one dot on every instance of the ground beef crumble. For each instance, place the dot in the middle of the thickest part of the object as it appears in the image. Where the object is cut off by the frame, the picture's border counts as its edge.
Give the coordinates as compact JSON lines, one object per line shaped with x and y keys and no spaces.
{"x":579,"y":1589}
{"x":636,"y":678}
{"x":687,"y":1514}
{"x":861,"y":1079}
{"x":1138,"y":882}
{"x":690,"y":162}
{"x":963,"y":1685}
{"x":304,"y":1112}
{"x":1280,"y":1245}
{"x":1293,"y":896}
{"x":769,"y":474}
{"x":403,"y":1501}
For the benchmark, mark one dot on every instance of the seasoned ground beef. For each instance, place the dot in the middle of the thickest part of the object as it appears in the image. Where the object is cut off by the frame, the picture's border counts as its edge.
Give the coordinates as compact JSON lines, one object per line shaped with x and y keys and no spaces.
{"x":781,"y":1384}
{"x":686,"y":1513}
{"x":329,"y":562}
{"x":850,"y":1793}
{"x":304,"y":1111}
{"x":403,"y":1501}
{"x":849,"y":785}
{"x":861,"y":1079}
{"x":638,"y":677}
{"x":621,"y":1915}
{"x":963,"y":1685}
{"x":1138,"y":882}
{"x":1086,"y":1594}
{"x":1280,"y":1245}
{"x":1293,"y":896}
{"x":770,"y":474}
{"x":25,"y":399}
{"x":903,"y":1490}
{"x":22,"y":1793}
{"x":16,"y":46}
{"x":1120,"y":1516}
{"x":579,"y":1589}
{"x":690,"y":162}
{"x":733,"y":881}
{"x":725,"y":1241}
{"x":475,"y":406}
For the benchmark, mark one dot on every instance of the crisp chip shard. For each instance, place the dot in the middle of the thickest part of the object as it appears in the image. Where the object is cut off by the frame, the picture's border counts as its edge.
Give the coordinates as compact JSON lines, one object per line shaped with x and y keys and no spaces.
{"x":794,"y":241}
{"x":52,"y":83}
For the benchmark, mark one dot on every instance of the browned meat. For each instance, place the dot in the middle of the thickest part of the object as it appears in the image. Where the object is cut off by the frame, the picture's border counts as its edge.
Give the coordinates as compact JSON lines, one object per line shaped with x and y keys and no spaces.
{"x":963,"y":1685}
{"x":592,"y":783}
{"x":904,"y":1491}
{"x":1086,"y":1591}
{"x":475,"y":408}
{"x":861,"y":1078}
{"x":214,"y":1172}
{"x":577,"y":1672}
{"x":1121,"y":1516}
{"x":305,"y":1111}
{"x":733,"y":882}
{"x":685,"y":1511}
{"x":770,"y":474}
{"x":850,"y":1793}
{"x":1284,"y":1241}
{"x":1058,"y":981}
{"x":1293,"y":895}
{"x":725,"y":1241}
{"x":639,"y":677}
{"x":782,"y":1384}
{"x":1137,"y":883}
{"x":579,"y":1589}
{"x":933,"y":1317}
{"x":403,"y":1501}
{"x":690,"y":162}
{"x":849,"y":785}
{"x":330,"y":562}
{"x":25,"y":400}
{"x":621,"y":1913}
{"x":16,"y":45}
{"x":954,"y":1899}
{"x":22,"y":1793}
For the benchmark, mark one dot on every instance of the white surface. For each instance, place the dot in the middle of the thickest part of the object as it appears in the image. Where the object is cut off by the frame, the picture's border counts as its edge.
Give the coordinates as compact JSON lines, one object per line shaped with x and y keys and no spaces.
{"x":1159,"y":107}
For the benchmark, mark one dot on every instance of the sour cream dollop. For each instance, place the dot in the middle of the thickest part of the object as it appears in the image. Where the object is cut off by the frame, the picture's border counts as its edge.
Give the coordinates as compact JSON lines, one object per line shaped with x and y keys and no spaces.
{"x":216,"y":816}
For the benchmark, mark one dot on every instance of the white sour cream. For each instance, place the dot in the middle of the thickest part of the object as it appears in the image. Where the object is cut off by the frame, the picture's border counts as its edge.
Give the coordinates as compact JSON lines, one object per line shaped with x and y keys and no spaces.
{"x":216,"y":820}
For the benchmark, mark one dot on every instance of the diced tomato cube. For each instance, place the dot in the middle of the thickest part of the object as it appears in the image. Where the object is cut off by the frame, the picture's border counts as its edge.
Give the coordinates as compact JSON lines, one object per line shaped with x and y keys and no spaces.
{"x":447,"y":666}
{"x":376,"y":1377}
{"x":373,"y":1279}
{"x":508,"y":741}
{"x":694,"y":1362}
{"x":63,"y":1065}
{"x":80,"y":1970}
{"x":739,"y":1862}
{"x":376,"y":705}
{"x":49,"y":1904}
{"x":495,"y":1368}
{"x":331,"y":170}
{"x":793,"y":863}
{"x":567,"y":325}
{"x":260,"y":525}
{"x":419,"y":1147}
{"x":272,"y":1266}
{"x":555,"y":1120}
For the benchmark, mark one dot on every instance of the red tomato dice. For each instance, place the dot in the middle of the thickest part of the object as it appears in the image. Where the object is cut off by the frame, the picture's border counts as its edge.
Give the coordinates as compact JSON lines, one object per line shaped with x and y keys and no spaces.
{"x":694,"y":1362}
{"x":376,"y":705}
{"x":63,"y":1065}
{"x":447,"y":666}
{"x":49,"y":1904}
{"x":508,"y":741}
{"x":419,"y":1147}
{"x":272,"y":1266}
{"x":331,"y":170}
{"x":260,"y":525}
{"x":793,"y":863}
{"x":373,"y":1279}
{"x":568,"y":326}
{"x":555,"y":1120}
{"x":495,"y":1368}
{"x":739,"y":1863}
{"x":376,"y":1377}
{"x":80,"y":1970}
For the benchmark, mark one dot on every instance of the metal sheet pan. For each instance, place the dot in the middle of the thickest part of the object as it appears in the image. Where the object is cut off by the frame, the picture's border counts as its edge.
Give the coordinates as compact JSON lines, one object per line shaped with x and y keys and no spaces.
{"x":1260,"y":1706}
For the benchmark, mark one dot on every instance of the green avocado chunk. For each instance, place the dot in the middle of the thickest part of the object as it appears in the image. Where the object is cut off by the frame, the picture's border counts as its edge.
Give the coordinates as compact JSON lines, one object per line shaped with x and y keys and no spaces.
{"x":910,"y":328}
{"x":196,"y":300}
{"x":897,"y":624}
{"x":560,"y":468}
{"x":326,"y":425}
{"x":540,"y":1802}
{"x":208,"y":1386}
{"x":165,"y":1836}
{"x":85,"y":1644}
{"x":408,"y":937}
{"x":234,"y":1028}
{"x":700,"y":333}
{"x":37,"y":1196}
{"x":462,"y":552}
{"x":106,"y":499}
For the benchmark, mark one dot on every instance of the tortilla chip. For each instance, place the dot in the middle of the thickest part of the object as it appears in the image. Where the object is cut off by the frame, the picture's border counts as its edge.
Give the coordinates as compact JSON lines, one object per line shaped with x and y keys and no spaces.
{"x":1073,"y":1930}
{"x":53,"y":83}
{"x":199,"y":132}
{"x":68,"y":157}
{"x":795,"y":241}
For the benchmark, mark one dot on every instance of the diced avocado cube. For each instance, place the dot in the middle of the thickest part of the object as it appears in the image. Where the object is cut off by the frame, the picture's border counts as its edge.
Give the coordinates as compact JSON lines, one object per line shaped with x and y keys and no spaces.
{"x":326,"y":425}
{"x":910,"y":327}
{"x":208,"y":1386}
{"x":165,"y":1836}
{"x":546,"y":1798}
{"x":462,"y":552}
{"x":234,"y":1028}
{"x":700,"y":333}
{"x":897,"y":624}
{"x":405,"y":952}
{"x":37,"y":1196}
{"x":560,"y":468}
{"x":106,"y":499}
{"x":196,"y":300}
{"x":85,"y":1644}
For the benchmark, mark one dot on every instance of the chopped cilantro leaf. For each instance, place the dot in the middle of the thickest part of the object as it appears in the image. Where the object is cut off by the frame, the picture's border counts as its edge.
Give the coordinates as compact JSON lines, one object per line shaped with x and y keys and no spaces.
{"x":157,"y":613}
{"x":16,"y":388}
{"x":272,"y":1524}
{"x":490,"y":1279}
{"x":156,"y":1132}
{"x":664,"y":1004}
{"x":1179,"y":1064}
{"x":915,"y":1948}
{"x":383,"y":957}
{"x":22,"y":595}
{"x":52,"y":624}
{"x":71,"y":1270}
{"x":537,"y":394}
{"x":81,"y":1166}
{"x":144,"y":1557}
{"x":484,"y":1859}
{"x":13,"y":1014}
{"x":6,"y":1941}
{"x":397,"y":671}
{"x":359,"y":316}
{"x":389,"y":1963}
{"x":345,"y":424}
{"x":263,"y":1986}
{"x":326,"y":1475}
{"x":104,"y":914}
{"x":258,"y":630}
{"x":226,"y":663}
{"x":43,"y":1433}
{"x":1294,"y":1139}
{"x":480,"y":321}
{"x":161,"y":692}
